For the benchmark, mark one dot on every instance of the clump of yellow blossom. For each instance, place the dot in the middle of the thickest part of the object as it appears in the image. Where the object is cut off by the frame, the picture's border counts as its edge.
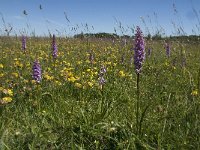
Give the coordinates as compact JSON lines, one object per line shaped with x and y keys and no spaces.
{"x":8,"y":96}
{"x":78,"y":85}
{"x":194,"y":92}
{"x":122,"y":74}
{"x":1,"y":65}
{"x":8,"y":92}
{"x":48,"y":77}
{"x":7,"y":99}
{"x":15,"y":74}
{"x":18,"y":64}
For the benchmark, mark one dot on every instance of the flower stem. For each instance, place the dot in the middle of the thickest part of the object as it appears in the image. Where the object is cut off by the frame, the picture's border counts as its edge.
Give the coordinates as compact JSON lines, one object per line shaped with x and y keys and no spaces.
{"x":137,"y":104}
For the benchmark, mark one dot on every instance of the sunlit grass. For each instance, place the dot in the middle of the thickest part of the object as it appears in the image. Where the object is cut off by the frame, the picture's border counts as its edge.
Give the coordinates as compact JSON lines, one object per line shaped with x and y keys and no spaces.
{"x":69,"y":109}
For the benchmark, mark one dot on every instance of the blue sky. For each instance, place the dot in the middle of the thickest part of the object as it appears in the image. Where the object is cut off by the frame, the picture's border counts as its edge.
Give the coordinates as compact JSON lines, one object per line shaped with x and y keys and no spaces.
{"x":100,"y":16}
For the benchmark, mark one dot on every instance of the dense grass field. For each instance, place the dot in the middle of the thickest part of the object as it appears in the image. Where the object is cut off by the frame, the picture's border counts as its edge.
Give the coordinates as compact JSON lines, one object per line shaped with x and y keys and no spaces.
{"x":69,"y":109}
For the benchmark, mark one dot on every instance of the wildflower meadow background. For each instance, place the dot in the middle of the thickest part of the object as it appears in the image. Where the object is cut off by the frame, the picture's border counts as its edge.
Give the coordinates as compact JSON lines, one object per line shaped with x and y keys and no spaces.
{"x":100,"y":92}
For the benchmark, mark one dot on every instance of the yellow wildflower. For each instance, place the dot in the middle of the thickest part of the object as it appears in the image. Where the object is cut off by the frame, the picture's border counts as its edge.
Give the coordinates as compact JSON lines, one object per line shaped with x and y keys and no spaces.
{"x":166,"y":64}
{"x":91,"y":76}
{"x":122,"y":74}
{"x":130,"y":76}
{"x":8,"y":92}
{"x":108,"y":63}
{"x":47,"y":77}
{"x":33,"y":81}
{"x":69,"y":74}
{"x":15,"y":74}
{"x":87,"y":61}
{"x":71,"y":79}
{"x":88,"y":70}
{"x":194,"y":92}
{"x":90,"y":84}
{"x":77,"y":77}
{"x":79,"y":62}
{"x":7,"y":99}
{"x":28,"y":64}
{"x":25,"y":81}
{"x":68,"y":69}
{"x":40,"y":58}
{"x":1,"y":65}
{"x":1,"y":75}
{"x":78,"y":85}
{"x":18,"y":64}
{"x":58,"y":82}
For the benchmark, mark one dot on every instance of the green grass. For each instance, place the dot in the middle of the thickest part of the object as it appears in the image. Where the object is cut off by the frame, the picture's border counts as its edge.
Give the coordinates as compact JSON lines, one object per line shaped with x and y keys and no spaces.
{"x":55,"y":114}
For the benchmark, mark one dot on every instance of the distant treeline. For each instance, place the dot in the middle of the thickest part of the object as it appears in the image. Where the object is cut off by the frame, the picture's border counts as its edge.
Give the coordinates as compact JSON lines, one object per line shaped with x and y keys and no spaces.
{"x":100,"y":35}
{"x":104,"y":35}
{"x":154,"y":37}
{"x":190,"y":37}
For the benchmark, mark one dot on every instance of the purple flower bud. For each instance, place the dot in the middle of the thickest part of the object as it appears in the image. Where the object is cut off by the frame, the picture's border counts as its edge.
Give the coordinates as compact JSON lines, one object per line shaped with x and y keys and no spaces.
{"x":37,"y":73}
{"x":91,"y":57}
{"x":167,"y":47}
{"x":102,"y":71}
{"x":139,"y":54}
{"x":54,"y":48}
{"x":102,"y":81}
{"x":23,"y":43}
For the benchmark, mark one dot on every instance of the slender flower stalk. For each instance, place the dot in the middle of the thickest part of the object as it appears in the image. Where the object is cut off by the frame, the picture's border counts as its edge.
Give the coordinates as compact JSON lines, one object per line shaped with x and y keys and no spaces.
{"x":198,"y":82}
{"x":102,"y":82}
{"x":37,"y":72}
{"x":54,"y":48}
{"x":183,"y":57}
{"x":23,"y":43}
{"x":149,"y":52}
{"x":122,"y":58}
{"x":139,"y":56}
{"x":183,"y":62}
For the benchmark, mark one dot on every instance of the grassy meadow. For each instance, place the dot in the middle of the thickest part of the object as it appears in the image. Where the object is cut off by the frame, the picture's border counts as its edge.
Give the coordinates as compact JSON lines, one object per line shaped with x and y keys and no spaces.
{"x":69,"y":109}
